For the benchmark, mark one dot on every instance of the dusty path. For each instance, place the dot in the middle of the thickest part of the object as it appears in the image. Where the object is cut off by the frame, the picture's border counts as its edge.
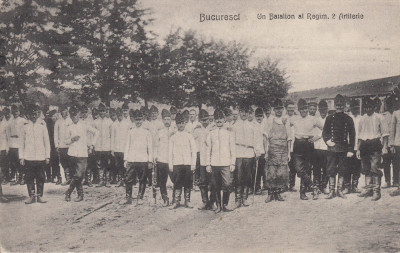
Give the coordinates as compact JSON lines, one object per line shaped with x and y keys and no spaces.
{"x":101,"y":223}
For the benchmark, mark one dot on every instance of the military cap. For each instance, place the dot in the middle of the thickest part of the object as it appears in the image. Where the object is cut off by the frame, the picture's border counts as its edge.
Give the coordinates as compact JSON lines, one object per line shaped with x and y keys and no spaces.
{"x":112,"y":111}
{"x":119,"y":111}
{"x":218,"y":114}
{"x":6,"y":110}
{"x":322,"y":104}
{"x":203,"y":114}
{"x":339,"y":100}
{"x":259,"y":112}
{"x":153,"y":108}
{"x":368,"y":102}
{"x":125,"y":107}
{"x":165,"y":113}
{"x":301,"y":104}
{"x":102,"y":107}
{"x":312,"y":103}
{"x":179,"y":118}
{"x":354,"y":103}
{"x":14,"y":108}
{"x":52,"y":112}
{"x":63,"y":108}
{"x":227,"y":111}
{"x":278,"y":104}
{"x":73,"y":111}
{"x":377,"y":102}
{"x":137,"y":114}
{"x":31,"y":108}
{"x":84,"y":109}
{"x":173,"y":110}
{"x":289,"y":102}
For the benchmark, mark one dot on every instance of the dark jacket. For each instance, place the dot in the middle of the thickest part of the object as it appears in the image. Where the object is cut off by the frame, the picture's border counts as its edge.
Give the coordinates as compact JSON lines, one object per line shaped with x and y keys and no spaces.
{"x":339,"y":128}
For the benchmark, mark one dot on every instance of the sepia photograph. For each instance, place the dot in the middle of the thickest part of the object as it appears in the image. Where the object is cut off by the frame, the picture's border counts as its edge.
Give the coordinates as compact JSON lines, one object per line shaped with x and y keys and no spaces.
{"x":199,"y":126}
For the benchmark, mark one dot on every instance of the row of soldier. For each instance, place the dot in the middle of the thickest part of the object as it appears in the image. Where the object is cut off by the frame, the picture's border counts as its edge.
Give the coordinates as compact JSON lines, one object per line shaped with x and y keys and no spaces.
{"x":227,"y":151}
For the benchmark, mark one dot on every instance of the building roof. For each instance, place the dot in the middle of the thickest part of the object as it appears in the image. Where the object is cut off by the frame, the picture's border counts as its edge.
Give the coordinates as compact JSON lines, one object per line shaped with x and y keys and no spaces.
{"x":382,"y":86}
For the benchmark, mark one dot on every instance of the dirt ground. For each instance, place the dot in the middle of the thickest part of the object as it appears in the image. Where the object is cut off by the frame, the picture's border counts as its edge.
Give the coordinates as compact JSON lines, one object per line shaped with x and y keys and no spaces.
{"x":101,"y":223}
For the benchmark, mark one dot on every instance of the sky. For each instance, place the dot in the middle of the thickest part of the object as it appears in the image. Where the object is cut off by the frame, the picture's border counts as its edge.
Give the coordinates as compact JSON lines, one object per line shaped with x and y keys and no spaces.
{"x":314,"y":53}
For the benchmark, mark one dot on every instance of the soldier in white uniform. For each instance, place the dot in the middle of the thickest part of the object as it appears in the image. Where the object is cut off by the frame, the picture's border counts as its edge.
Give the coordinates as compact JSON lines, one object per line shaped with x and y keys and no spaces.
{"x":35,"y":154}
{"x":15,"y":128}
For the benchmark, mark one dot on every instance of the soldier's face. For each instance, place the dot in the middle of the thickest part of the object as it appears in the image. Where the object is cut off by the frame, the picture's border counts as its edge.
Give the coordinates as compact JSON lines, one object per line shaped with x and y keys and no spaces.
{"x":154,"y":115}
{"x":54,"y":118}
{"x":33,"y":117}
{"x":64,"y":114}
{"x":250,"y":116}
{"x":205,"y":122}
{"x":75,"y":118}
{"x":339,"y":108}
{"x":259,"y":118}
{"x":243,"y":115}
{"x":173,"y":116}
{"x":113,"y":116}
{"x":268,"y":112}
{"x":126,"y":113}
{"x":16,"y":113}
{"x":166,"y":121}
{"x":181,"y":126}
{"x":290,"y":111}
{"x":312,"y":109}
{"x":229,"y":118}
{"x":8,"y":116}
{"x":303,"y":112}
{"x":355,"y":111}
{"x":120,"y":117}
{"x":192,"y":116}
{"x":211,"y":119}
{"x":278,"y":112}
{"x":369,"y":110}
{"x":95,"y":116}
{"x":323,"y":112}
{"x":138,"y":122}
{"x":102,"y":114}
{"x":220,"y":122}
{"x":235,"y":115}
{"x":84,"y":115}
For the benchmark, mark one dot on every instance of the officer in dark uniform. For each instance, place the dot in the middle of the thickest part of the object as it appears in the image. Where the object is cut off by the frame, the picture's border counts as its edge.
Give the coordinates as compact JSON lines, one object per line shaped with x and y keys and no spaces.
{"x":339,"y":135}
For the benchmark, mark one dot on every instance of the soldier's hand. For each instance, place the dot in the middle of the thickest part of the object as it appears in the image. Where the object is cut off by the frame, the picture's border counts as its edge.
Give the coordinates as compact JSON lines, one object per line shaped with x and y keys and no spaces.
{"x":22,"y":162}
{"x":358,"y":155}
{"x":350,"y":154}
{"x":150,"y":166}
{"x":330,"y":143}
{"x":75,"y":138}
{"x":232,"y":168}
{"x":112,"y":153}
{"x":192,"y":167}
{"x":125,"y":164}
{"x":289,"y":157}
{"x":47,"y":160}
{"x":208,"y":169}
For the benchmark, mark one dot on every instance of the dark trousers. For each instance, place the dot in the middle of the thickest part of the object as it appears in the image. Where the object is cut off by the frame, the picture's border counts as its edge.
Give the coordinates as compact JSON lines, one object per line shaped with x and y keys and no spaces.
{"x":13,"y":159}
{"x":35,"y":171}
{"x":102,"y":162}
{"x":119,"y":163}
{"x":91,"y":167}
{"x":242,"y":177}
{"x":162,"y":177}
{"x":205,"y":178}
{"x":387,"y":161}
{"x":182,"y":177}
{"x":221,"y":178}
{"x":396,"y":166}
{"x":64,"y":160}
{"x":54,"y":165}
{"x":78,"y":167}
{"x":320,"y":177}
{"x":352,"y":174}
{"x":336,"y":163}
{"x":292,"y":171}
{"x":260,"y":172}
{"x":4,"y":166}
{"x":134,"y":170}
{"x":303,"y":151}
{"x":370,"y":164}
{"x":196,"y":174}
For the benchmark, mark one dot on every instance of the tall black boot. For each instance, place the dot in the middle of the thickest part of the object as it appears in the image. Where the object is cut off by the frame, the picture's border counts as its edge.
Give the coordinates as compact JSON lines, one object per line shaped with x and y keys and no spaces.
{"x":103,"y":179}
{"x":368,"y":187}
{"x":178,"y":193}
{"x":204,"y":198}
{"x":245,"y":195}
{"x":218,"y":202}
{"x":354,"y":186}
{"x":173,"y":196}
{"x":332,"y":183}
{"x":40,"y":189}
{"x":79,"y":189}
{"x":340,"y":187}
{"x":225,"y":201}
{"x":187,"y":198}
{"x":140,"y":196}
{"x":71,"y":188}
{"x":238,"y":198}
{"x":2,"y":198}
{"x":278,"y":194}
{"x":271,"y":195}
{"x":377,"y":188}
{"x":303,"y":195}
{"x":31,"y":192}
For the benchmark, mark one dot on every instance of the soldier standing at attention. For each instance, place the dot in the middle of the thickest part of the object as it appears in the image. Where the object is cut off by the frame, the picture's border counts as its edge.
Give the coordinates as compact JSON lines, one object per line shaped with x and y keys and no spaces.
{"x":303,"y":146}
{"x":339,"y":135}
{"x":352,"y":174}
{"x":182,"y":161}
{"x":320,"y":178}
{"x":103,"y":144}
{"x":54,"y":165}
{"x":200,"y":136}
{"x":371,"y":130}
{"x":277,"y":143}
{"x":77,"y":138}
{"x":220,"y":159}
{"x":91,"y":159}
{"x":35,"y":154}
{"x":290,"y":108}
{"x":138,"y":157}
{"x":15,"y":125}
{"x":4,"y":141}
{"x":245,"y":156}
{"x":161,"y":154}
{"x":60,"y":129}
